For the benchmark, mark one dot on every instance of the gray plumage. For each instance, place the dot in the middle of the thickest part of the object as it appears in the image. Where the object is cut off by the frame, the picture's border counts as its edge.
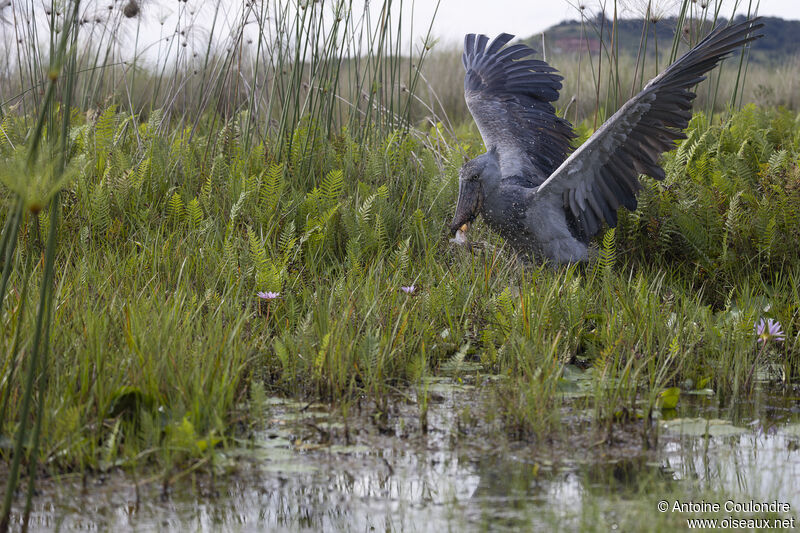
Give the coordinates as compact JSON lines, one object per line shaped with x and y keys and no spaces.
{"x":525,"y":186}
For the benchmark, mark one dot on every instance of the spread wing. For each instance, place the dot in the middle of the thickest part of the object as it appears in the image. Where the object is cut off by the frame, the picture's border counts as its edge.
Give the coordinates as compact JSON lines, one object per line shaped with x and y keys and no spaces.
{"x":509,"y":97}
{"x":602,"y":174}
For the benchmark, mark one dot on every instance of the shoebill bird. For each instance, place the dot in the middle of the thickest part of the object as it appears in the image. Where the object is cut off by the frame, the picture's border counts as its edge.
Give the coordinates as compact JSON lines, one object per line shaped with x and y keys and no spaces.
{"x":527,"y":186}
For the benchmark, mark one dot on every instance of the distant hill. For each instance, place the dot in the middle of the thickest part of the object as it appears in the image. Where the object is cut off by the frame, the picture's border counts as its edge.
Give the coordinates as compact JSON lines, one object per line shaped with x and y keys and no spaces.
{"x":781,"y":37}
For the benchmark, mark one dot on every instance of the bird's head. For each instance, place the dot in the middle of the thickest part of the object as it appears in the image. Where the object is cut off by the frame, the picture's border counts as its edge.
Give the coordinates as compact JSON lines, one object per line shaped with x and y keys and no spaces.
{"x":473,"y":179}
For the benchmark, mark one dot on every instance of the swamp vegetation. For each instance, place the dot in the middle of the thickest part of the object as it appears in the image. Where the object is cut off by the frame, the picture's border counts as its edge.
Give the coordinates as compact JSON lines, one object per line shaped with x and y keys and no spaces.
{"x":187,"y":280}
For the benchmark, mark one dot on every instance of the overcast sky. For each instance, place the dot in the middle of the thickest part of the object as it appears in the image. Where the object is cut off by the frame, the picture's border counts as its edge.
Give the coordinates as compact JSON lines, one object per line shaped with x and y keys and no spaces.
{"x":161,"y":18}
{"x":527,"y":17}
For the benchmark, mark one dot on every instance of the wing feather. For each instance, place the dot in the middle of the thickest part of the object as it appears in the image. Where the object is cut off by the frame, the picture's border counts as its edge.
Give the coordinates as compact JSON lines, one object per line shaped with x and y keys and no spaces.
{"x":510,"y":96}
{"x":631,"y":142}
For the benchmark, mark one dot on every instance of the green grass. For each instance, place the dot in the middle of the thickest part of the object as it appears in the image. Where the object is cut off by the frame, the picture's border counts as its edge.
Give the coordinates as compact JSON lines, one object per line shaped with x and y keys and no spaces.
{"x":159,"y":335}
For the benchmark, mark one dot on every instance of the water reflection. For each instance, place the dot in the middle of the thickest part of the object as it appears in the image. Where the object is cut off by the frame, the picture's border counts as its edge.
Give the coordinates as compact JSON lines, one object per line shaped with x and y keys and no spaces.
{"x":446,"y":480}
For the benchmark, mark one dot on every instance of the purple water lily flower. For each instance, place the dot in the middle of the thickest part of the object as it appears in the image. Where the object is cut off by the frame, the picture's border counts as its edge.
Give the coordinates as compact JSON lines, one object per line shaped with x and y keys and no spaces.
{"x":768,"y":330}
{"x":268,"y":295}
{"x":408,"y":290}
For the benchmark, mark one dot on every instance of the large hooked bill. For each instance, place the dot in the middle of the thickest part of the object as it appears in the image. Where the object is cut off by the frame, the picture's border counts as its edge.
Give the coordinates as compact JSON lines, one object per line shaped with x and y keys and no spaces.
{"x":461,"y":235}
{"x":470,"y":198}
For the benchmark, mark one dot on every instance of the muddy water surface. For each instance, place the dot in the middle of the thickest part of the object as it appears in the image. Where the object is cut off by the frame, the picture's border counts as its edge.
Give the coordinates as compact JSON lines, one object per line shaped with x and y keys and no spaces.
{"x":306,"y":469}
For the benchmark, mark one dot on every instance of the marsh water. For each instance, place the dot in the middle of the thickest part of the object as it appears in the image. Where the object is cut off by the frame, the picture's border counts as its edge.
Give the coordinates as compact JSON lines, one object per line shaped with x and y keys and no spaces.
{"x":307,"y":468}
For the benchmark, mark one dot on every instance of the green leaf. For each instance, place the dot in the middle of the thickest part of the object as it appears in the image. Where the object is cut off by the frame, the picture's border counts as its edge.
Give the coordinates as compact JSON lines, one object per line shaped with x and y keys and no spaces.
{"x":668,"y":398}
{"x":701,"y":427}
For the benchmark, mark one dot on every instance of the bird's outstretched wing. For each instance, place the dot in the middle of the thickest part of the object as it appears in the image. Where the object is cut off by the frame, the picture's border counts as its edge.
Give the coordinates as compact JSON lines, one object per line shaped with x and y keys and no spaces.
{"x":509,"y":97}
{"x":602,"y":174}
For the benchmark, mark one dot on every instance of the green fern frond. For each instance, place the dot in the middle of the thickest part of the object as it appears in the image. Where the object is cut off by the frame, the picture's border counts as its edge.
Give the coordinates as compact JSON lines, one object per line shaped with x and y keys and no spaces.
{"x":141,"y":175}
{"x":229,"y":256}
{"x":778,"y":161}
{"x":100,"y":209}
{"x":731,"y":222}
{"x":766,"y":237}
{"x":271,"y":189}
{"x":401,"y":257}
{"x":194,"y":213}
{"x":228,"y":138}
{"x":607,"y":257}
{"x":682,"y":154}
{"x":699,"y":146}
{"x":175,"y":208}
{"x":365,"y":211}
{"x":205,"y":193}
{"x":452,"y":367}
{"x":121,"y":187}
{"x":287,"y":241}
{"x":237,"y":207}
{"x":5,"y":134}
{"x":220,"y":171}
{"x":353,"y":254}
{"x":375,"y":169}
{"x":504,"y":303}
{"x":104,"y":130}
{"x":154,"y":123}
{"x":332,"y":185}
{"x":250,"y":183}
{"x":381,"y":236}
{"x":257,"y":253}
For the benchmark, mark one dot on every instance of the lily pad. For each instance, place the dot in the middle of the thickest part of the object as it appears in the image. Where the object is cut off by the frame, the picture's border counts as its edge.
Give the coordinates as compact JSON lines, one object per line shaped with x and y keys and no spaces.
{"x":791,"y":430}
{"x":700,"y":392}
{"x":352,"y":449}
{"x":276,"y":442}
{"x":700,"y":427}
{"x":295,"y":466}
{"x":574,"y":382}
{"x":269,"y":455}
{"x":668,"y":398}
{"x":444,"y":386}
